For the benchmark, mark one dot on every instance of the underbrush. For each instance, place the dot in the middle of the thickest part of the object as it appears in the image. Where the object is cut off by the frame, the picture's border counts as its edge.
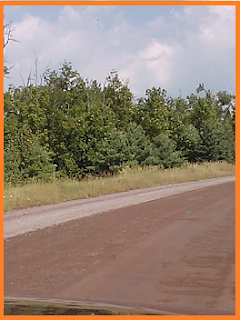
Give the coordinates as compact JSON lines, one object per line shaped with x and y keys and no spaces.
{"x":40,"y":193}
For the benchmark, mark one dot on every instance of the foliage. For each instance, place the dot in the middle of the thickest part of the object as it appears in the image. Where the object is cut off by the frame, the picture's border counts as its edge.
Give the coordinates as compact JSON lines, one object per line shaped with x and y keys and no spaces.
{"x":25,"y":158}
{"x":68,"y":126}
{"x":166,"y":152}
{"x":153,"y":112}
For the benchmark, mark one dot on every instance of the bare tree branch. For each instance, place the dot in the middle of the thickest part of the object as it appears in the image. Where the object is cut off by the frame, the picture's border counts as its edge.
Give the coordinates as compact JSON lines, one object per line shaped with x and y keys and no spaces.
{"x":8,"y":34}
{"x":8,"y":38}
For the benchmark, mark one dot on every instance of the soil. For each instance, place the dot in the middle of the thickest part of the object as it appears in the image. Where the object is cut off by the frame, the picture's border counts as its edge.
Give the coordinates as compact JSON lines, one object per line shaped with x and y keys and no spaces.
{"x":22,"y":221}
{"x":175,"y":254}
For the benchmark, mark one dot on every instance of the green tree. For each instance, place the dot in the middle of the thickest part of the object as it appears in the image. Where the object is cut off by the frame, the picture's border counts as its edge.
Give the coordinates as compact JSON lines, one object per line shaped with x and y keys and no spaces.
{"x":113,"y":153}
{"x":71,"y":127}
{"x":25,"y":158}
{"x":182,"y":131}
{"x":118,"y":97}
{"x":214,"y":125}
{"x":140,"y":146}
{"x":165,"y":151}
{"x":153,"y":112}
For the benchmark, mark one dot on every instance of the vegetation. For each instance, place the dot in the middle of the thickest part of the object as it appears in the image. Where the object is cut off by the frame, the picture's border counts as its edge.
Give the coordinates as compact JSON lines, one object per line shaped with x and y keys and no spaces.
{"x":68,"y":127}
{"x":36,"y":193}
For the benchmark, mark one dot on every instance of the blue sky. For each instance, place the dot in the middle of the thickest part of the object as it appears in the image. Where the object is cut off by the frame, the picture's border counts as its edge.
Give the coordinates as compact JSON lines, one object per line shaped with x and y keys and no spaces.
{"x":173,"y":47}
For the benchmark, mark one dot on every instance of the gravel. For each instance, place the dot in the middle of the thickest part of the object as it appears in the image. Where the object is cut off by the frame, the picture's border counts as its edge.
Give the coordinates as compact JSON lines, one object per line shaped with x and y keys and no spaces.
{"x":20,"y":222}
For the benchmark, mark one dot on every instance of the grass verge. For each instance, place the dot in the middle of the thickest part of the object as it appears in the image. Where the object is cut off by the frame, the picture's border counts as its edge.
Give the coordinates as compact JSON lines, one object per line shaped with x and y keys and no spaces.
{"x":40,"y":193}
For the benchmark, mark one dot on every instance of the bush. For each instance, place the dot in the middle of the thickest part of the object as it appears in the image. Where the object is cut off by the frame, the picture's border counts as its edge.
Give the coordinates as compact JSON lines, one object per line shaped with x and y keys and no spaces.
{"x":165,"y":152}
{"x":25,"y":158}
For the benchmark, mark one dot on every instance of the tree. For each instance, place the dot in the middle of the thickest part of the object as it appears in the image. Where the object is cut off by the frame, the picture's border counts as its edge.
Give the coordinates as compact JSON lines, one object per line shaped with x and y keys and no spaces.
{"x":226,"y":104}
{"x":25,"y":158}
{"x":113,"y":153}
{"x":165,"y":151}
{"x":8,"y":37}
{"x":153,"y":112}
{"x":216,"y":131}
{"x":182,"y":131}
{"x":140,"y":146}
{"x":70,"y":127}
{"x":118,"y":97}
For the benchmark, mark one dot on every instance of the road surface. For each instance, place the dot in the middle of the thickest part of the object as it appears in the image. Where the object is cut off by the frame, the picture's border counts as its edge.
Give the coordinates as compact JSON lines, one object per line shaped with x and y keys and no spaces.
{"x":174,"y":254}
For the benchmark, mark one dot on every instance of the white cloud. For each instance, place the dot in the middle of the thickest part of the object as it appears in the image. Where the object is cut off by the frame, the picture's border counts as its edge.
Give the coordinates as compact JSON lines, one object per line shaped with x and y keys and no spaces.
{"x":209,"y":49}
{"x":152,"y":66}
{"x":180,"y":50}
{"x":156,"y":51}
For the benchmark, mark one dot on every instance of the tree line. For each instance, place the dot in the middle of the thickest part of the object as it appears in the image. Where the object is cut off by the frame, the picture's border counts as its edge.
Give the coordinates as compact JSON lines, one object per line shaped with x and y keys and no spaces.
{"x":68,"y":126}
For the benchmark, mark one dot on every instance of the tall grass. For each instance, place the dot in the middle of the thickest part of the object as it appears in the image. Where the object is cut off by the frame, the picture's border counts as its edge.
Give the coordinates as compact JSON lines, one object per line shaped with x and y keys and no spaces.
{"x":39,"y":193}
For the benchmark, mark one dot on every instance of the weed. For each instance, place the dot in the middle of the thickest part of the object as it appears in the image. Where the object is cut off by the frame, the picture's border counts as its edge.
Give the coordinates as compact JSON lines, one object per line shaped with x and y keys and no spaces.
{"x":40,"y":193}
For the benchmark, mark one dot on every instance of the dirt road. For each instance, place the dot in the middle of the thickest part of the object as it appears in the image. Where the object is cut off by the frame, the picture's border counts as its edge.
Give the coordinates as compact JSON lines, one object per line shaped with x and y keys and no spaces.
{"x":21,"y":221}
{"x":174,"y":254}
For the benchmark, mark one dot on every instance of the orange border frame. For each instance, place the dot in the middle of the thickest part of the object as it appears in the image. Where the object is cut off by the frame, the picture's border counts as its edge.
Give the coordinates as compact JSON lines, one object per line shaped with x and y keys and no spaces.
{"x":120,"y":3}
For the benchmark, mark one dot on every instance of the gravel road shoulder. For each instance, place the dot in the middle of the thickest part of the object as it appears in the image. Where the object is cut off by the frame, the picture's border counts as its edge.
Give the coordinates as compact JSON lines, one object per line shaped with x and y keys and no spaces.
{"x":23,"y":221}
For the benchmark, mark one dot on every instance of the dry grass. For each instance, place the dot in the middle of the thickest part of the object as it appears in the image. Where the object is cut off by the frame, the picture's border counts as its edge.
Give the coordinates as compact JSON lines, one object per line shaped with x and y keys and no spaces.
{"x":39,"y":193}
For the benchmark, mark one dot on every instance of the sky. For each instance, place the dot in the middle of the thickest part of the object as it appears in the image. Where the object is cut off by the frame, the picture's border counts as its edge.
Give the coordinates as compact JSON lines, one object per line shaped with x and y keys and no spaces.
{"x":172,"y":47}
